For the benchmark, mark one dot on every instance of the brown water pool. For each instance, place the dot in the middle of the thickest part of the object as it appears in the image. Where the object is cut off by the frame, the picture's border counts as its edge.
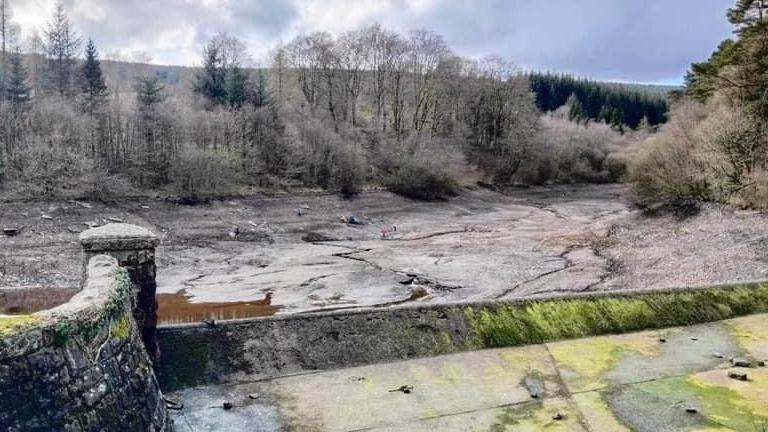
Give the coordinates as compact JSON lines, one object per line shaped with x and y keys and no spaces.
{"x":177,"y":309}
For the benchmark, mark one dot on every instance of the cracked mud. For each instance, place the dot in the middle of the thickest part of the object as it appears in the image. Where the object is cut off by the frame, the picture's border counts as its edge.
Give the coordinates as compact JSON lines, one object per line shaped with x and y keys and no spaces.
{"x":480,"y":245}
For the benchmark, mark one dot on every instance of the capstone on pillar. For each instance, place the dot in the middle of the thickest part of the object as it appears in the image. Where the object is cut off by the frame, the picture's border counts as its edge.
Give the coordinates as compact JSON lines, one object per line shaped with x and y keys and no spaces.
{"x":134,"y":249}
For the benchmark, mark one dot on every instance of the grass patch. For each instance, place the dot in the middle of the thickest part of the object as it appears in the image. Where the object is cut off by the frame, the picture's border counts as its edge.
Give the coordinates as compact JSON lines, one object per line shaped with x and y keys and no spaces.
{"x":550,"y":320}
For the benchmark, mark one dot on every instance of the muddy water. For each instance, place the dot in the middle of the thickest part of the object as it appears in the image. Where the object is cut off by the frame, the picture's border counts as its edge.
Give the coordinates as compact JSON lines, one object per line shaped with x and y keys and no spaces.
{"x":177,"y":308}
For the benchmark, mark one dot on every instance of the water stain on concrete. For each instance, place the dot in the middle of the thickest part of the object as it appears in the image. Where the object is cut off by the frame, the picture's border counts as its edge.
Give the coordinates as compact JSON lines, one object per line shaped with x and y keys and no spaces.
{"x":179,"y":308}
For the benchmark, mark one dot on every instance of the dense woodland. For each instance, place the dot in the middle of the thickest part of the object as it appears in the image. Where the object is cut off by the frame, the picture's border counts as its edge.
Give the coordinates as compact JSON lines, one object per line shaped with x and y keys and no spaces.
{"x":715,"y":145}
{"x":369,"y":107}
{"x":614,"y":104}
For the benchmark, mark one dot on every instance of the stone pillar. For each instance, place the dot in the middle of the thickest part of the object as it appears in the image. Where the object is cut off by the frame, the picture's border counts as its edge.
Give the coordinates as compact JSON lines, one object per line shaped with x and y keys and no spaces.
{"x":134,"y":249}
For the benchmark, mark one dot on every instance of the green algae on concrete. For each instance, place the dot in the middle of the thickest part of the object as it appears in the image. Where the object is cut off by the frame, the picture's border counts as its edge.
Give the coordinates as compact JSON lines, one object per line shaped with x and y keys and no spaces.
{"x":659,"y":406}
{"x":585,"y":363}
{"x":550,"y":320}
{"x":13,"y":324}
{"x":597,"y":414}
{"x":599,"y":362}
{"x":736,"y":404}
{"x":752,"y":334}
{"x":554,"y":414}
{"x":363,"y":397}
{"x":714,"y":396}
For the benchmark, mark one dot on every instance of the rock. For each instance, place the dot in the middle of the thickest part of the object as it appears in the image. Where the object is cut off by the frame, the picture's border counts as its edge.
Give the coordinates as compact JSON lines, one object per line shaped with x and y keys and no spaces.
{"x":227,"y":405}
{"x":253,"y":396}
{"x":10,"y":232}
{"x":691,"y":410}
{"x":74,"y":230}
{"x":741,"y":362}
{"x":737,"y":375}
{"x":694,"y":338}
{"x":91,"y":224}
{"x":145,"y":207}
{"x":407,"y":389}
{"x":663,"y":340}
{"x":84,"y":205}
{"x":535,"y":386}
{"x":761,"y":363}
{"x":115,"y":219}
{"x":46,"y":217}
{"x":558,"y":416}
{"x":718,"y":355}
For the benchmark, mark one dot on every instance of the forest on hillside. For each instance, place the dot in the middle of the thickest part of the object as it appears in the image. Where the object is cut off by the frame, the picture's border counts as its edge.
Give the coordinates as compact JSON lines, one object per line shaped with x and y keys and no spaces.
{"x":367,"y":108}
{"x":614,"y":104}
{"x":715,"y":145}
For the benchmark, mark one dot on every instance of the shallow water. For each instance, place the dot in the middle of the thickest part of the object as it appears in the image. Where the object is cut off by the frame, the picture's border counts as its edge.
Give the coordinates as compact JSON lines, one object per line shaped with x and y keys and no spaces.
{"x":177,"y":308}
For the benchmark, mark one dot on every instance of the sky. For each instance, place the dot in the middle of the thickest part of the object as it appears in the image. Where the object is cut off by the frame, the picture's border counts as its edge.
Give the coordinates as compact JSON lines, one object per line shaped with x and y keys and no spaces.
{"x":649,"y":41}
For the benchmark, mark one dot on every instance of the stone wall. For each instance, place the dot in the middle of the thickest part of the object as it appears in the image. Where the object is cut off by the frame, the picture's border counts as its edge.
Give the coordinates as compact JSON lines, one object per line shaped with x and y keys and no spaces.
{"x":81,"y":366}
{"x":246,"y":350}
{"x":134,"y":249}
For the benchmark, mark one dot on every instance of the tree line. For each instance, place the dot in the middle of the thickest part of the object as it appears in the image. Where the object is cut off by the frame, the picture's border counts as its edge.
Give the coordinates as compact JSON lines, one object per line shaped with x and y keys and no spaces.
{"x":588,"y":100}
{"x":367,"y":107}
{"x":715,"y":147}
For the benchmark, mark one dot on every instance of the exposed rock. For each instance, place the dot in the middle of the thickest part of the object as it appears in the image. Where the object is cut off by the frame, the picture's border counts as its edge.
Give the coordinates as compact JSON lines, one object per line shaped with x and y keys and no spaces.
{"x":741,"y":362}
{"x":10,"y":232}
{"x":737,"y":375}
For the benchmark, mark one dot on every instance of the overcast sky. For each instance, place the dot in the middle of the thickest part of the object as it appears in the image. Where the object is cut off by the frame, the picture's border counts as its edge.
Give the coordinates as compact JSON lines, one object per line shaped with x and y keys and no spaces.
{"x":624,"y":40}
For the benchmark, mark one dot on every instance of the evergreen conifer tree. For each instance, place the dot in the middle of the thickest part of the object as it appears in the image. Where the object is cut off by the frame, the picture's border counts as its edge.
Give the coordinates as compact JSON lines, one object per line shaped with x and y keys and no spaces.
{"x":16,"y":90}
{"x":92,"y":85}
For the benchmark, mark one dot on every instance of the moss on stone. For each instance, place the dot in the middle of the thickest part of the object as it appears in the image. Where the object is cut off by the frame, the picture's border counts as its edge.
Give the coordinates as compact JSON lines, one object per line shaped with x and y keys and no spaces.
{"x":549,"y":320}
{"x":121,"y":328}
{"x":13,"y":324}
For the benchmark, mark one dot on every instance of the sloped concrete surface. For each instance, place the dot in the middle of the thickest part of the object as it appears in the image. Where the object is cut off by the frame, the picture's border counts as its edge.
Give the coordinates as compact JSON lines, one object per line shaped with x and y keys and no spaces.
{"x":670,"y":380}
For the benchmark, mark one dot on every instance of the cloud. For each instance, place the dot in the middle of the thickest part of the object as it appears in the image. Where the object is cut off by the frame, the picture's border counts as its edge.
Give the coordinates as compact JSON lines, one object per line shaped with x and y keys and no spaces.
{"x":649,"y":41}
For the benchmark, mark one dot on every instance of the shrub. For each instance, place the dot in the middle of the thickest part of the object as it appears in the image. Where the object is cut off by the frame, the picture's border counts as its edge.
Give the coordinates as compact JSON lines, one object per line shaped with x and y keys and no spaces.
{"x":670,"y":165}
{"x":49,"y":169}
{"x":330,"y":160}
{"x":582,"y":153}
{"x":196,"y":173}
{"x":418,"y":166}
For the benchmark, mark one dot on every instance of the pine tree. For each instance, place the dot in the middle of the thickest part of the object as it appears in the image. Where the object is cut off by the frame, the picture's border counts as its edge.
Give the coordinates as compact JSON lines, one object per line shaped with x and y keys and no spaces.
{"x":748,"y":15}
{"x":575,"y":109}
{"x":61,"y":46}
{"x":92,"y":86}
{"x":211,"y":81}
{"x":237,"y":87}
{"x":16,"y":89}
{"x":149,"y":94}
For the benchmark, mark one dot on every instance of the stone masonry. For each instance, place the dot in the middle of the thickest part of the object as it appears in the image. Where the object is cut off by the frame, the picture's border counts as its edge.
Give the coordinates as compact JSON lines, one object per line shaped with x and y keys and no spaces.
{"x":134,"y":249}
{"x":80,"y":366}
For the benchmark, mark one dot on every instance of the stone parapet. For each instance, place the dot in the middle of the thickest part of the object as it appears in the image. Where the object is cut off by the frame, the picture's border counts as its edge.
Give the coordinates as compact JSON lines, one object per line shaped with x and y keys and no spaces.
{"x":134,"y":249}
{"x":80,"y":366}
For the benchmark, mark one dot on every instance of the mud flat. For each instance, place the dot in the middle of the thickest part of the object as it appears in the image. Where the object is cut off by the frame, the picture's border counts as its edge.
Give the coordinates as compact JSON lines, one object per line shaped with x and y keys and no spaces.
{"x":480,"y":245}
